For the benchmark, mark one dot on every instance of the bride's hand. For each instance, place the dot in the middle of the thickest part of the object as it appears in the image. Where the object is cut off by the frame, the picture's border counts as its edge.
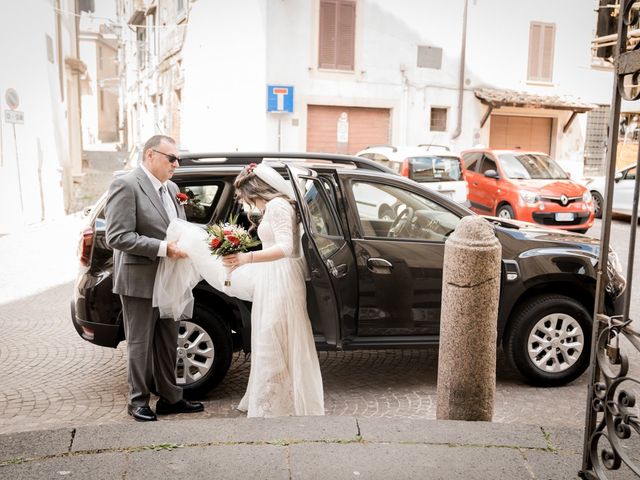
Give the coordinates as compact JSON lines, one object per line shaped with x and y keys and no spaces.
{"x":235,"y":260}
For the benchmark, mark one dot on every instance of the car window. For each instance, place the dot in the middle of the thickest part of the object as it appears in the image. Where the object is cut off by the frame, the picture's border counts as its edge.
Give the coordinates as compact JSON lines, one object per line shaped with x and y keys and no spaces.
{"x":322,"y":221}
{"x":392,"y":212}
{"x":487,"y":164}
{"x":202,"y":199}
{"x":471,"y":160}
{"x":530,"y":165}
{"x":435,"y":168}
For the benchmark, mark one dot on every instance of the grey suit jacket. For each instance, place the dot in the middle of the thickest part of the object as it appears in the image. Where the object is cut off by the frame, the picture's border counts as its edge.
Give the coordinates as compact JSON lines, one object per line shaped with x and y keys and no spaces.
{"x":136,"y":223}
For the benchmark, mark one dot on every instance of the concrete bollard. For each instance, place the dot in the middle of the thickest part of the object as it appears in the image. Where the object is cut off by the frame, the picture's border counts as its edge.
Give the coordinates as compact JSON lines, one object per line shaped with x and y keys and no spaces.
{"x":468,"y":322}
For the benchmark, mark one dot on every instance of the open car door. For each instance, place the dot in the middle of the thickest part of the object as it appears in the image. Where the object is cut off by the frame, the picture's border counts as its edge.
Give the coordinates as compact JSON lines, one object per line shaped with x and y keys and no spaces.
{"x":332,"y":300}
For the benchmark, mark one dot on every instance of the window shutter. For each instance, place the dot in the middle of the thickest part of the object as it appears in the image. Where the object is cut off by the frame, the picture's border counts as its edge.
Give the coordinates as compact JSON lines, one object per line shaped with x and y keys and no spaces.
{"x":346,"y":35}
{"x":327,"y":48}
{"x":541,"y":49}
{"x":535,"y":31}
{"x":547,"y":53}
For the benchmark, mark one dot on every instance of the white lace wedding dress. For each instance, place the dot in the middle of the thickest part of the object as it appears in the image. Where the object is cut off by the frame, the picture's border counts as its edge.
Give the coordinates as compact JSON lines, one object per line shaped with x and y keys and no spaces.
{"x":285,"y":374}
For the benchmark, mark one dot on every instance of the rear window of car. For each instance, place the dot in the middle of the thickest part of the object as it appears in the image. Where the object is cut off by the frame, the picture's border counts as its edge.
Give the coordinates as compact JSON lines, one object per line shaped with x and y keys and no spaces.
{"x":202,"y":200}
{"x":435,"y":168}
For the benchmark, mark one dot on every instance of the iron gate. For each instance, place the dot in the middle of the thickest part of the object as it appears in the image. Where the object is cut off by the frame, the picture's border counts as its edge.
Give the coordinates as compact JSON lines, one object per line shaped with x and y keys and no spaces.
{"x":612,"y":427}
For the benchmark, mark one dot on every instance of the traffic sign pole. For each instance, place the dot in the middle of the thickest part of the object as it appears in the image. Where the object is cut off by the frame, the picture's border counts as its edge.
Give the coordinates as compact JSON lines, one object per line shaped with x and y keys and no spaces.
{"x":15,"y":142}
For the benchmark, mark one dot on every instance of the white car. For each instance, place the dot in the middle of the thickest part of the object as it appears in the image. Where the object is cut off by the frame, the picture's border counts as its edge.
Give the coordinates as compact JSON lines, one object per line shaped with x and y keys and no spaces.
{"x":622,"y":191}
{"x":434,"y":166}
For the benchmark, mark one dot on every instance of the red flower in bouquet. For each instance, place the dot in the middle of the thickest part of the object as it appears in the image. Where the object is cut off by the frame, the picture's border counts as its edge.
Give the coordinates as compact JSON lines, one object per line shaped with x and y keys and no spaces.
{"x":228,"y":238}
{"x":182,"y":198}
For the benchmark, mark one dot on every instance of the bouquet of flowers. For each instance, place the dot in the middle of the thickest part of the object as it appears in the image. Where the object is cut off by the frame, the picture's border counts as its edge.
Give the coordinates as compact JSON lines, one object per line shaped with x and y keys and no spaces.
{"x":229,"y":237}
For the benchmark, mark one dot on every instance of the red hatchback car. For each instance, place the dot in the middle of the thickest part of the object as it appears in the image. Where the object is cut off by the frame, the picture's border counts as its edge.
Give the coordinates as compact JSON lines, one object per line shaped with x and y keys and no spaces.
{"x":526,"y":186}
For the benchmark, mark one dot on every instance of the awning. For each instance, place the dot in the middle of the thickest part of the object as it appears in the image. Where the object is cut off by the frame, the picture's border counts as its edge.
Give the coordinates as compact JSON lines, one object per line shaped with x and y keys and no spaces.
{"x":495,"y":98}
{"x":136,"y":18}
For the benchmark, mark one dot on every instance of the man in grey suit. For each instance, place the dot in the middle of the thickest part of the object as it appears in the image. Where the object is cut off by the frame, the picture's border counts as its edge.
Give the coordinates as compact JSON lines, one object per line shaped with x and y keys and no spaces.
{"x":140,"y":206}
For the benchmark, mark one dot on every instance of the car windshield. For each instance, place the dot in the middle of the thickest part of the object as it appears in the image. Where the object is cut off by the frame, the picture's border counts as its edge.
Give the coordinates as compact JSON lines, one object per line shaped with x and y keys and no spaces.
{"x":530,"y":166}
{"x":434,"y":168}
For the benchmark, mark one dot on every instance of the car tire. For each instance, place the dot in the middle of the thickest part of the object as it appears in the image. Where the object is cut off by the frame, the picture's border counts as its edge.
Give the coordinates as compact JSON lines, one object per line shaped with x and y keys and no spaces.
{"x":535,"y":340}
{"x":505,"y":211}
{"x":205,"y":351}
{"x":598,"y":203}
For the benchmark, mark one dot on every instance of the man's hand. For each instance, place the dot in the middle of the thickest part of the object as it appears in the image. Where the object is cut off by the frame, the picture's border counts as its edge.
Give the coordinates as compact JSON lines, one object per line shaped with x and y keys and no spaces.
{"x":174,"y":252}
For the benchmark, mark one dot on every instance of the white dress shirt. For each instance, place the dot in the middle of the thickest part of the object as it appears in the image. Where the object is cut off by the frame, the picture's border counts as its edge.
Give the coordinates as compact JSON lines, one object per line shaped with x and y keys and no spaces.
{"x":162,"y":251}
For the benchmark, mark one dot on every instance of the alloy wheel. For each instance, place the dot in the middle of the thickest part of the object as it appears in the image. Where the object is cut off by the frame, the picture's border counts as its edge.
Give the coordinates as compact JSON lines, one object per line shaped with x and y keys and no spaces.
{"x":195,"y":353}
{"x":555,"y":343}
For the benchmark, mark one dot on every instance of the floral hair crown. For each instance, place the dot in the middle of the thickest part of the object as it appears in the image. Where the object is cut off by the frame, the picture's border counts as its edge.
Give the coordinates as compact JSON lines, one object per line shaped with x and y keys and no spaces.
{"x":251,"y":167}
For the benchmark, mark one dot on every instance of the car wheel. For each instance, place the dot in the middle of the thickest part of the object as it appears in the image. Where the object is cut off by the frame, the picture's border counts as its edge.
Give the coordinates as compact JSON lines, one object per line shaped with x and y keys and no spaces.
{"x":548,"y":340}
{"x":205,"y":351}
{"x":598,"y":203}
{"x":505,"y":211}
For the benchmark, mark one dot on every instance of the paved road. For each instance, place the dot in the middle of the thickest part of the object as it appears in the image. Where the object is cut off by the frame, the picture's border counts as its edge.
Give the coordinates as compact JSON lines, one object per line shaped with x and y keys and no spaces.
{"x":51,"y":377}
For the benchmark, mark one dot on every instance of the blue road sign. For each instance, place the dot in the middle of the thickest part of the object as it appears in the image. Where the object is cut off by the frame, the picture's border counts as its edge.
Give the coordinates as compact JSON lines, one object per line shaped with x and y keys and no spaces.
{"x":280,"y":98}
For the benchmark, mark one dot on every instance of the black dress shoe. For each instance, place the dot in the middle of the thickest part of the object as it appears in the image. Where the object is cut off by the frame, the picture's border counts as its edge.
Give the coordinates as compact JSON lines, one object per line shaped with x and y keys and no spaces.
{"x":141,"y":414}
{"x":181,"y":406}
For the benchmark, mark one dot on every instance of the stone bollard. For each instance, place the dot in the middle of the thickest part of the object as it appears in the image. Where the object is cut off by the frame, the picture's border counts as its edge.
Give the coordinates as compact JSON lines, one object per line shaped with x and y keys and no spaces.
{"x":468,"y":322}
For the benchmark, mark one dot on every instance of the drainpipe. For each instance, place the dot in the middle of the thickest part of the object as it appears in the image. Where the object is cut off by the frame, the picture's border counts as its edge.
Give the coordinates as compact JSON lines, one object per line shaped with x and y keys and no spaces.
{"x":463,"y":48}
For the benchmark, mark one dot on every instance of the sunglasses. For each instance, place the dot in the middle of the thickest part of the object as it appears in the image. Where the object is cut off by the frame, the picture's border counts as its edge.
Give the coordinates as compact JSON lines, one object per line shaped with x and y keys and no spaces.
{"x":171,"y":158}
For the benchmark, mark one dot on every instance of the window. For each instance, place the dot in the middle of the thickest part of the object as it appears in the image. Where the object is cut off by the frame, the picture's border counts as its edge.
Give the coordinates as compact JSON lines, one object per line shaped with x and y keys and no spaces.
{"x":438,"y":119}
{"x":488,"y":164}
{"x":471,"y":160}
{"x":541,"y":45}
{"x":390,"y":212}
{"x":202,"y":200}
{"x":87,"y":6}
{"x":141,"y":40}
{"x":337,"y":34}
{"x":323,"y":224}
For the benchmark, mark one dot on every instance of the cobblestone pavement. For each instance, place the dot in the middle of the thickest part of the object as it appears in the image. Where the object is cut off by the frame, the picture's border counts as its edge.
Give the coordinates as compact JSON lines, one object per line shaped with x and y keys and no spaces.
{"x":53,"y":378}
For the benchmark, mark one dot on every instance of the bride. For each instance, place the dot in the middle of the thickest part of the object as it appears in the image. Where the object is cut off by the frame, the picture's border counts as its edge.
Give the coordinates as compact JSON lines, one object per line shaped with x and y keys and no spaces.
{"x":285,"y":374}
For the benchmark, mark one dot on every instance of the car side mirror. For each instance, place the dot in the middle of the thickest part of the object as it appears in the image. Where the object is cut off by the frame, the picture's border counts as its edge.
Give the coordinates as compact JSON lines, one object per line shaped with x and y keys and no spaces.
{"x":618,"y":176}
{"x":491,"y":173}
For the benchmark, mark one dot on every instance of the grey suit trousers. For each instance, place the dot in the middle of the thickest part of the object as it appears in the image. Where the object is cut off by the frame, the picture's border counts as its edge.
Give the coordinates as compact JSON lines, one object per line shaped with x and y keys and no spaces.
{"x":151,"y":349}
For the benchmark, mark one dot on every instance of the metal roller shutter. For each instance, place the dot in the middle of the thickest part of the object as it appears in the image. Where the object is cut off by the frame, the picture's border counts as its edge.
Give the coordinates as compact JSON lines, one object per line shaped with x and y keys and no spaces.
{"x":524,"y":133}
{"x":367,"y":126}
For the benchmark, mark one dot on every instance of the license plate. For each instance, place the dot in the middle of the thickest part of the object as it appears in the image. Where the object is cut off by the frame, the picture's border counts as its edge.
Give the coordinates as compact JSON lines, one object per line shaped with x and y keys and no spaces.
{"x":565,"y":217}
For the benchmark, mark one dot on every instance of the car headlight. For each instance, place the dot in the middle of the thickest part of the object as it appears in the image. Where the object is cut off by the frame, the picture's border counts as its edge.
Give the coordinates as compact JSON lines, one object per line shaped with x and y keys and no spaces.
{"x":586,"y":196}
{"x":529,"y":197}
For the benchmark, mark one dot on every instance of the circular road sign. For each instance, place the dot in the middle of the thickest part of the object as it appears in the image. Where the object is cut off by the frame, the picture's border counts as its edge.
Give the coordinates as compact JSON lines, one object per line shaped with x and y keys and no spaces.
{"x":12,"y":98}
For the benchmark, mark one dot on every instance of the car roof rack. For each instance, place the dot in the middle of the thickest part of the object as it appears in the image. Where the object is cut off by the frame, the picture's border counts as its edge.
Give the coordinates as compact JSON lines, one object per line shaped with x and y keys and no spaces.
{"x":393,"y":149}
{"x":246,"y":158}
{"x":436,"y":145}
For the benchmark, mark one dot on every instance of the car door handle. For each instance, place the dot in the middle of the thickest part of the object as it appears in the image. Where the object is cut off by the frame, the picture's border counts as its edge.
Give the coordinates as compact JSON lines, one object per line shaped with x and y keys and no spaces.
{"x":379,"y":265}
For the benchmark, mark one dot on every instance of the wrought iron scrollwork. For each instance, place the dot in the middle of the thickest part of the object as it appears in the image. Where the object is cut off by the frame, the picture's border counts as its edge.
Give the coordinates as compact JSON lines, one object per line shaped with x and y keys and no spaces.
{"x":614,"y":402}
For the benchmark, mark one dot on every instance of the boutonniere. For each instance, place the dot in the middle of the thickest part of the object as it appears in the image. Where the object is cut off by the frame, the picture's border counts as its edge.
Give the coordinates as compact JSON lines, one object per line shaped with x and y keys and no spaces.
{"x":182,"y":198}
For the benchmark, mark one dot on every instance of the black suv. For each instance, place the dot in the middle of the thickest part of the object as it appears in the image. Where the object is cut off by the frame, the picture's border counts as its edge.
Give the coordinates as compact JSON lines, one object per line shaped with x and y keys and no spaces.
{"x":375,"y":277}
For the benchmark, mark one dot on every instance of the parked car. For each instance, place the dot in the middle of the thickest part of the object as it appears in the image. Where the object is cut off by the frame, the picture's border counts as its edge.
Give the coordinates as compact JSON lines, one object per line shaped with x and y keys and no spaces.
{"x":432,"y":165}
{"x":527,"y":186}
{"x":375,"y":282}
{"x":623,"y":187}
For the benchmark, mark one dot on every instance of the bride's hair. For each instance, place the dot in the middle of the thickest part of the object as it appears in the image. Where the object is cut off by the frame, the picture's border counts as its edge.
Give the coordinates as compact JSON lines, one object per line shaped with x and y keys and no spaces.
{"x":250,"y":187}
